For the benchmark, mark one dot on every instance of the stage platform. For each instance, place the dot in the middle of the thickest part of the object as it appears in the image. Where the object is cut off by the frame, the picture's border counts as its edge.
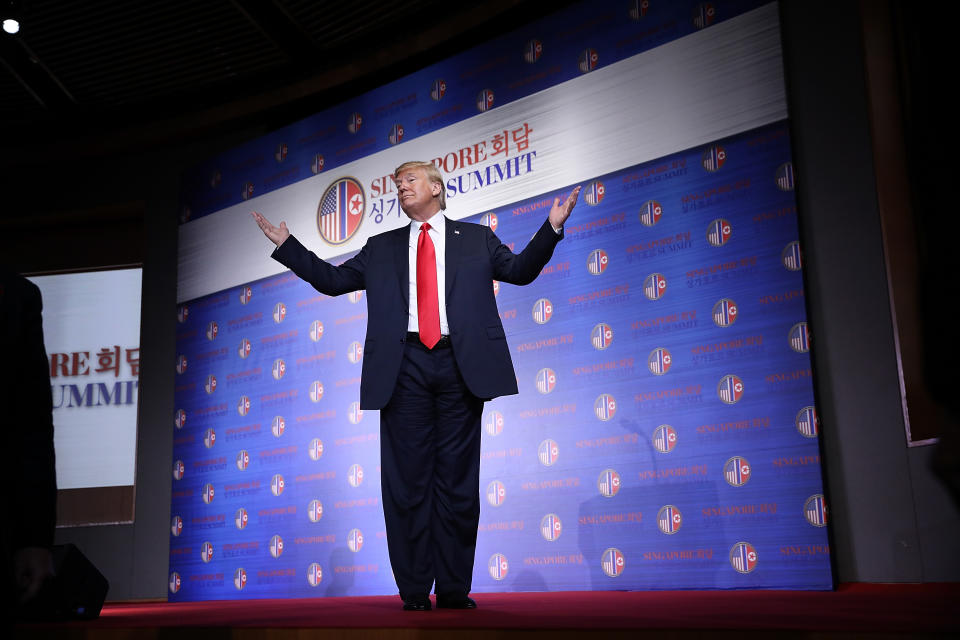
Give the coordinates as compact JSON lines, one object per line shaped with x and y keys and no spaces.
{"x":854,"y":610}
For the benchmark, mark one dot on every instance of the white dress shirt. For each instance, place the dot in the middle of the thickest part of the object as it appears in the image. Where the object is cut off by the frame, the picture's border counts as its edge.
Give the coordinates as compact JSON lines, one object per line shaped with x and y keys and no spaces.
{"x":437,"y":233}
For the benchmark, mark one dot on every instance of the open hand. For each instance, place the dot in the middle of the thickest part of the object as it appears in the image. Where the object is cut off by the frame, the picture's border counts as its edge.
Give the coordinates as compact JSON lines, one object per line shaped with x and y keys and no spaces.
{"x":276,"y":234}
{"x":560,"y":212}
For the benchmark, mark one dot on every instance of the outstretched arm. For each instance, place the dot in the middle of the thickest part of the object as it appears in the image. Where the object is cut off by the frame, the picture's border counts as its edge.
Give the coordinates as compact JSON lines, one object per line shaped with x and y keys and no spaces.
{"x":277,"y":235}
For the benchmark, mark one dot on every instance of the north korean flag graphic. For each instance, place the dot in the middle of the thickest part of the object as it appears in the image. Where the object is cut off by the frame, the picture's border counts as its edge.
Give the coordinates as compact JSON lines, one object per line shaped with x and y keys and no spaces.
{"x":608,"y":483}
{"x":206,"y":552}
{"x":279,"y":368}
{"x":498,"y":566}
{"x":605,"y":407}
{"x":669,"y":519}
{"x":245,"y":348}
{"x":650,"y":213}
{"x":241,"y":518}
{"x":176,"y":526}
{"x":209,"y":438}
{"x":316,"y":391}
{"x":314,"y":574}
{"x":654,"y":286}
{"x":277,"y":426}
{"x":316,"y":165}
{"x":713,"y":158}
{"x":815,"y":510}
{"x":601,"y":336}
{"x":800,"y":337}
{"x":354,"y":122}
{"x":246,"y":191}
{"x":597,"y":262}
{"x":659,"y":361}
{"x":490,"y":220}
{"x":181,"y":363}
{"x":240,"y":578}
{"x":279,"y":312}
{"x":639,"y":8}
{"x":438,"y":90}
{"x":355,"y":475}
{"x":246,"y":293}
{"x":730,"y":389}
{"x":180,"y":418}
{"x":593,"y":194}
{"x":548,"y":452}
{"x":719,"y":232}
{"x":724,"y":312}
{"x":550,"y":527}
{"x":743,"y":557}
{"x":588,"y":60}
{"x":532,"y":51}
{"x":808,"y":424}
{"x":341,"y":210}
{"x":736,"y":471}
{"x":316,"y":330}
{"x":546,"y":380}
{"x":178,"y":470}
{"x":277,"y":484}
{"x":243,"y":405}
{"x":664,"y":438}
{"x":355,"y":540}
{"x":174,"y":582}
{"x":542,"y":311}
{"x":704,"y":15}
{"x":485,"y":100}
{"x":315,"y":511}
{"x":496,"y":493}
{"x":612,"y":562}
{"x":396,"y":134}
{"x":494,"y":423}
{"x":316,"y":449}
{"x":276,"y":546}
{"x":243,"y":459}
{"x":355,"y":352}
{"x":207,"y":493}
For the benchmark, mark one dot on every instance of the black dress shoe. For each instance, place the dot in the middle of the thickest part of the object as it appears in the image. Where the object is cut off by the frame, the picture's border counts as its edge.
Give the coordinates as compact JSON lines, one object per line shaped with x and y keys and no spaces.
{"x":417,"y":603}
{"x":455,"y":602}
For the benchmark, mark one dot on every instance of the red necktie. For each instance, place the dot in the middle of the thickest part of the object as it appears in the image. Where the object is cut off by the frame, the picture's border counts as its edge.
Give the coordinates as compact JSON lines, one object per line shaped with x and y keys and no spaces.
{"x":428,"y":302}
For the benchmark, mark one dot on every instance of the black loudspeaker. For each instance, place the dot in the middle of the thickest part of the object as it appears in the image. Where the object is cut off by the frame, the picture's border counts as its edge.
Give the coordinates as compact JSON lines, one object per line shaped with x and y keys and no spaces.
{"x":76,"y":591}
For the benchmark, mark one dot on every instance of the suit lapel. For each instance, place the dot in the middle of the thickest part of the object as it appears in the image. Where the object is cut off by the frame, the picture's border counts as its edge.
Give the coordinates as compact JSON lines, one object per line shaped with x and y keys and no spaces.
{"x":451,"y":254}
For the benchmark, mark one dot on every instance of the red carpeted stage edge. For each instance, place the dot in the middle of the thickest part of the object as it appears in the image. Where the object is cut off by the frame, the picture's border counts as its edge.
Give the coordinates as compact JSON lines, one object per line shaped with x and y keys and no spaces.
{"x":854,"y":610}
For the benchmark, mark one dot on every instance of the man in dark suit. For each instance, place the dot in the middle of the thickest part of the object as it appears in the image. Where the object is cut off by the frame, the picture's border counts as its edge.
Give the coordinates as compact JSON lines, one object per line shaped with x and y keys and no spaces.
{"x":435,"y":350}
{"x":29,"y":499}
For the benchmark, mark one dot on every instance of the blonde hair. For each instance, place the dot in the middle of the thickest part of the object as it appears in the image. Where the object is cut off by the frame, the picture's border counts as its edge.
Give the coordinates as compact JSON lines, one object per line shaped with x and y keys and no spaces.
{"x":432,"y":173}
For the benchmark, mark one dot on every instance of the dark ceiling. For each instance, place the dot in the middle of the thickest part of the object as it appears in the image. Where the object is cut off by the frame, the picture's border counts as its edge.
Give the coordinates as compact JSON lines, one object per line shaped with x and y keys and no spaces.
{"x":108,"y":75}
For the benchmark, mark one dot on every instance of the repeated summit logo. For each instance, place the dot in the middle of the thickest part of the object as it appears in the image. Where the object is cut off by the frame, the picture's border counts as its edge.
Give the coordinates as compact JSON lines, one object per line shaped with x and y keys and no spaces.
{"x":341,"y":210}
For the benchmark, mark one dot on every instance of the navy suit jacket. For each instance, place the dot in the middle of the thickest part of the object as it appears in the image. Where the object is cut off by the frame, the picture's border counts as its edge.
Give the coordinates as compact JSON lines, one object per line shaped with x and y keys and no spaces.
{"x":474,"y":258}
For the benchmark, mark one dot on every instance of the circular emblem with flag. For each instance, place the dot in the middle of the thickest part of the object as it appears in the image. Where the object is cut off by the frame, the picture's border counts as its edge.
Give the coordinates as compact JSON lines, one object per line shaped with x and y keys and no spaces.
{"x":183,"y":312}
{"x":485,"y":100}
{"x":277,"y":484}
{"x":280,"y":153}
{"x":243,"y":459}
{"x":355,"y":352}
{"x":496,"y":493}
{"x":355,"y":540}
{"x":784,"y":177}
{"x":279,"y":312}
{"x":650,"y":213}
{"x":546,"y":380}
{"x":724,"y":312}
{"x":209,"y":438}
{"x":791,"y":257}
{"x":743,"y":557}
{"x":736,"y":471}
{"x":815,"y":510}
{"x":210,"y":384}
{"x":601,"y":336}
{"x":605,"y":407}
{"x":490,"y":220}
{"x":542,"y":311}
{"x":669,"y":519}
{"x":713,"y":158}
{"x":245,"y":348}
{"x":316,"y":391}
{"x":212,"y":330}
{"x":355,"y":475}
{"x":608,"y":483}
{"x":719,"y":232}
{"x":314,"y":574}
{"x":664,"y":438}
{"x":240,"y":578}
{"x":207,"y":493}
{"x":246,"y":293}
{"x":438,"y":89}
{"x":276,"y":546}
{"x":800,"y":337}
{"x":597,"y":262}
{"x":703,"y":15}
{"x":550,"y":527}
{"x":316,"y":330}
{"x":639,"y":8}
{"x":206,"y":552}
{"x":498,"y":566}
{"x":178,"y":469}
{"x":316,"y":449}
{"x":808,"y":423}
{"x":243,"y":405}
{"x":340,"y":211}
{"x":316,"y":164}
{"x":730,"y":389}
{"x":593,"y":194}
{"x":659,"y":361}
{"x":355,"y":296}
{"x":532,"y":50}
{"x":548,"y":452}
{"x":494,"y":423}
{"x":180,"y":418}
{"x":355,"y":413}
{"x":654,"y":286}
{"x":174,"y":582}
{"x":279,"y":368}
{"x":246,"y":190}
{"x":241,"y":518}
{"x":612,"y":562}
{"x":181,"y":363}
{"x":176,"y":526}
{"x":354,"y":122}
{"x":315,"y":511}
{"x":396,"y":134}
{"x":588,"y":60}
{"x":277,"y":426}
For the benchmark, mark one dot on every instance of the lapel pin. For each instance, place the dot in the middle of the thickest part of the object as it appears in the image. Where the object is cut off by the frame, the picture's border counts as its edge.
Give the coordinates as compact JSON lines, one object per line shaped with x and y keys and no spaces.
{"x":456,"y":231}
